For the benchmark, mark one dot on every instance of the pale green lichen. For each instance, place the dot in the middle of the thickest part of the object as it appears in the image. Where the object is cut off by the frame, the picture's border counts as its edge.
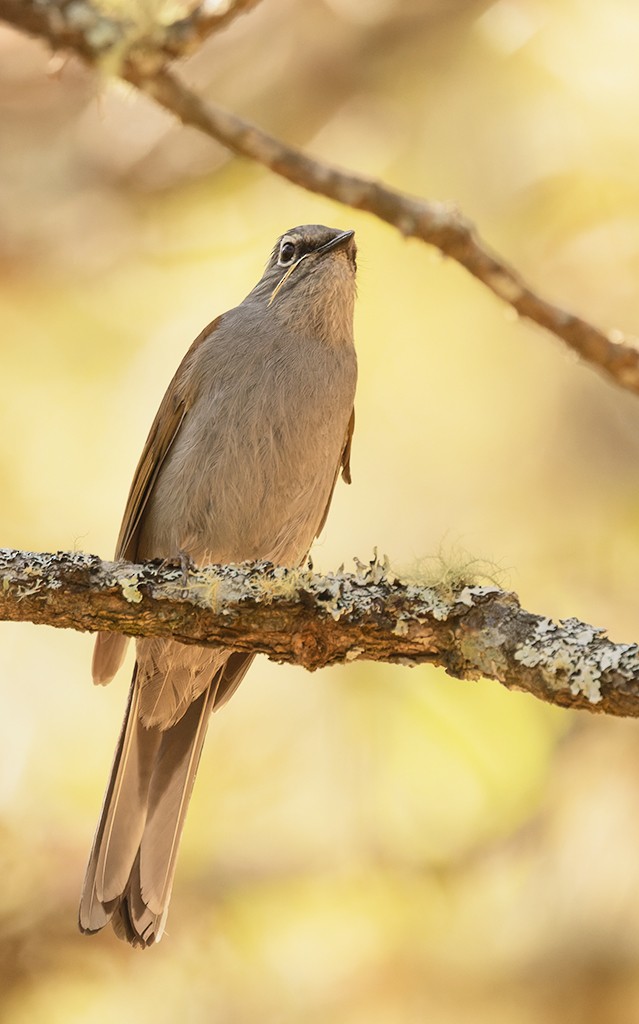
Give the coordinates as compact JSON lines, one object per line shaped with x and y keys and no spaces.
{"x":468,"y":595}
{"x":29,"y":591}
{"x":584,"y":635}
{"x":534,"y":651}
{"x":561,"y":651}
{"x":353,"y":653}
{"x":375,"y":571}
{"x":425,"y":603}
{"x":130,"y":588}
{"x":611,"y":657}
{"x":400,"y":628}
{"x":587,"y":680}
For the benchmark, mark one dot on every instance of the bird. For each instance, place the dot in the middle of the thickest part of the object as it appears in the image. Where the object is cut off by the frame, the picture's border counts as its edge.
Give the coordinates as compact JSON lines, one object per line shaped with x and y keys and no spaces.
{"x":240,"y":464}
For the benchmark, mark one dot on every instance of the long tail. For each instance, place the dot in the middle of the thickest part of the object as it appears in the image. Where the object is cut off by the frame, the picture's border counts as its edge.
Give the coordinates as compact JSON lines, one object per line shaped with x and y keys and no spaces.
{"x":132,"y":862}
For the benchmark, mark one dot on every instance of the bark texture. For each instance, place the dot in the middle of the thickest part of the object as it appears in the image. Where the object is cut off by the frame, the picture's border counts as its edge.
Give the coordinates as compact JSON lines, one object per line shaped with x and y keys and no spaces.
{"x":314,"y":620}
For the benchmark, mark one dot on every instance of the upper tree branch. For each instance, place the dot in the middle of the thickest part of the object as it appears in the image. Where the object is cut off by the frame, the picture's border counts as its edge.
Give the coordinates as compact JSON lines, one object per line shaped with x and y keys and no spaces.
{"x":311,"y":620}
{"x":135,"y":42}
{"x":439,"y":224}
{"x":139,"y":53}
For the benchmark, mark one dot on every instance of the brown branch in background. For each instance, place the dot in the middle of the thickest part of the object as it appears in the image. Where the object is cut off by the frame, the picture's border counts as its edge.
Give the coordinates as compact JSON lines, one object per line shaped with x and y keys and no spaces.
{"x":139,"y":53}
{"x":133,"y":41}
{"x":192,"y":31}
{"x":439,"y":224}
{"x":312,"y":620}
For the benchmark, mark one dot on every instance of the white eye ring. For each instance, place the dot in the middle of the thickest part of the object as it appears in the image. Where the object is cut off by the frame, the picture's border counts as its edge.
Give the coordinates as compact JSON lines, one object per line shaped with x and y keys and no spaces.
{"x":287,"y":252}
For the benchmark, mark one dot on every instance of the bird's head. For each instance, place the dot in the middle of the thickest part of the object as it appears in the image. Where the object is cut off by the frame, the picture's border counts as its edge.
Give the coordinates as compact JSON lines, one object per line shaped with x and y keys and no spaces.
{"x":309,"y":280}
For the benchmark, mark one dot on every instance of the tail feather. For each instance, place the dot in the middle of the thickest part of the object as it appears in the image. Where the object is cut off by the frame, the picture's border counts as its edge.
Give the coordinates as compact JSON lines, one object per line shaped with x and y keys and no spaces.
{"x":94,"y":912}
{"x":108,"y":655}
{"x":132,"y":863}
{"x":124,"y":814}
{"x":169,"y":794}
{"x":133,"y":921}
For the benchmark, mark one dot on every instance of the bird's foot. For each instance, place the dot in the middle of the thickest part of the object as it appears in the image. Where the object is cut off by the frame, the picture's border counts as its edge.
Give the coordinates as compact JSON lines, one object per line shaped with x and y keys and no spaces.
{"x":187,"y":565}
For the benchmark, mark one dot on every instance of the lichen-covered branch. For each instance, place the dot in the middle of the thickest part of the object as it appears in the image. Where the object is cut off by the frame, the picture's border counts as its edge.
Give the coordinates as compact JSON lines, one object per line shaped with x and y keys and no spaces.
{"x":293,"y":615}
{"x":139,"y":52}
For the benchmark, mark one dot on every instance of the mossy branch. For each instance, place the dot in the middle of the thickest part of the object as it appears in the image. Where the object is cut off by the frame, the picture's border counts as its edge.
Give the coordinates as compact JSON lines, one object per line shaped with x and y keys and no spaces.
{"x":296,"y":616}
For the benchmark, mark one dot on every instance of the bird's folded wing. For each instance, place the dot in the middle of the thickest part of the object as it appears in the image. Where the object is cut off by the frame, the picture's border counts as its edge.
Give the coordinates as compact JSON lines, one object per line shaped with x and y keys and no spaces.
{"x":344,"y":465}
{"x":164,"y":430}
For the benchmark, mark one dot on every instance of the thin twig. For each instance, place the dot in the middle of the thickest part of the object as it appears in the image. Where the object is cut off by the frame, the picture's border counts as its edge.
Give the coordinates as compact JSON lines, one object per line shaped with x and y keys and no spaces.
{"x":140,"y":54}
{"x":123,"y":42}
{"x":438,"y":224}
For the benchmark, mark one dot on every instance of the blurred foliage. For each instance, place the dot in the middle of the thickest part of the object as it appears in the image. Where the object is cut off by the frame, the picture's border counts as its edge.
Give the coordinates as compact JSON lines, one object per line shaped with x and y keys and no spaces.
{"x":369,"y":844}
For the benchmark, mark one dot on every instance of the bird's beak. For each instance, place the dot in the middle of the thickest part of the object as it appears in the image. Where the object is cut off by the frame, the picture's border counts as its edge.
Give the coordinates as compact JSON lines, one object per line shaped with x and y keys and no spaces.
{"x":335,"y":243}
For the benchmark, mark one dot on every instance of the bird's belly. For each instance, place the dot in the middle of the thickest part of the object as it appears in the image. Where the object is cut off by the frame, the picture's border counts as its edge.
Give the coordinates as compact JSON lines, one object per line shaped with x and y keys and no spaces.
{"x":260,"y":498}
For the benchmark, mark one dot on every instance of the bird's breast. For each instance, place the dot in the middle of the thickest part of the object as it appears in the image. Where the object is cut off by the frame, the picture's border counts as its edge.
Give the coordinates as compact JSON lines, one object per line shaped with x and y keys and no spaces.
{"x":253,"y":466}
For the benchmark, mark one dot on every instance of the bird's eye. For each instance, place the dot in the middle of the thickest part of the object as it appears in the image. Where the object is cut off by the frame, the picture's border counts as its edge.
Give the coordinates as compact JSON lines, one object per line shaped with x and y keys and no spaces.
{"x":287,"y":253}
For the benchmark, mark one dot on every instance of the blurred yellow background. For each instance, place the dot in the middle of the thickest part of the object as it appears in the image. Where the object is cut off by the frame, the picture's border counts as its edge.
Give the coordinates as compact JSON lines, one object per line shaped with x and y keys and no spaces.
{"x":367,"y":845}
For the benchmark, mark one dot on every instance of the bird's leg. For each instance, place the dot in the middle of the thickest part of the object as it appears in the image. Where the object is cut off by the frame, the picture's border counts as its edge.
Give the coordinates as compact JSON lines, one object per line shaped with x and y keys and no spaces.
{"x":186,"y":564}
